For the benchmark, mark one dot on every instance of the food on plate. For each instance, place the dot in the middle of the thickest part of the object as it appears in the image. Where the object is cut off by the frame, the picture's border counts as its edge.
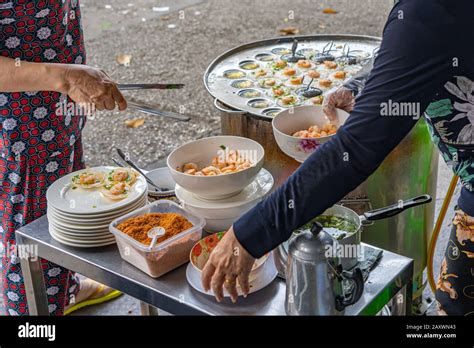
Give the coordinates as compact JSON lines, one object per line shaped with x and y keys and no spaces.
{"x":280,"y":64}
{"x":279,"y":91}
{"x":116,"y":191}
{"x":304,"y":64}
{"x":261,"y":73}
{"x":289,"y":100}
{"x":226,"y":162}
{"x":316,"y":131}
{"x":317,"y":100}
{"x":89,"y":179}
{"x":126,"y":175}
{"x":313,"y":74}
{"x":139,"y":226}
{"x":297,"y":80}
{"x":338,"y":227}
{"x":325,"y":83}
{"x":330,"y":64}
{"x":340,"y":75}
{"x":289,"y":72}
{"x":267,"y":83}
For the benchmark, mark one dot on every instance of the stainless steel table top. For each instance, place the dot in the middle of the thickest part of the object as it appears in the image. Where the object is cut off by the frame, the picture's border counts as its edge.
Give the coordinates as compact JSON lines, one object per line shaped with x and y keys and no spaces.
{"x":173,"y":294}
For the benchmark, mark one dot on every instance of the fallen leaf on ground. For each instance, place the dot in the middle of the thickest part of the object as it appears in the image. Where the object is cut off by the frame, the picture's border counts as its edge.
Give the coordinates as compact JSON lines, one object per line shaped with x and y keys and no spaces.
{"x":329,"y":11}
{"x":135,"y":123}
{"x":289,"y":31}
{"x":124,"y":59}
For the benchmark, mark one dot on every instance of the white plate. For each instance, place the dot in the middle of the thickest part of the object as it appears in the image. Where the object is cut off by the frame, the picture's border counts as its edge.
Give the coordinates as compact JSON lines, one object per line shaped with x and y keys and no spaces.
{"x":269,"y":273}
{"x":259,"y":188}
{"x":79,"y":201}
{"x":96,"y":218}
{"x":73,"y":243}
{"x":81,"y":232}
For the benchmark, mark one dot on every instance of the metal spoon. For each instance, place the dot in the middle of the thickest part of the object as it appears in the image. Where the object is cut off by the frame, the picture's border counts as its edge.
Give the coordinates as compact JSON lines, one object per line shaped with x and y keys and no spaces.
{"x":134,"y":166}
{"x":154,"y":234}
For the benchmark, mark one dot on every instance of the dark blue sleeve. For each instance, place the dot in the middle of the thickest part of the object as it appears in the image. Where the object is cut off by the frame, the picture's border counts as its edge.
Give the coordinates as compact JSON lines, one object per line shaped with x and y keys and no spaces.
{"x":410,"y":68}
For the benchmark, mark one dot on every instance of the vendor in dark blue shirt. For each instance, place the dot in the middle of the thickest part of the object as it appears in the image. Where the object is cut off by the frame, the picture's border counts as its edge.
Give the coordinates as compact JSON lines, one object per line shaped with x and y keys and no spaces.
{"x":426,"y":59}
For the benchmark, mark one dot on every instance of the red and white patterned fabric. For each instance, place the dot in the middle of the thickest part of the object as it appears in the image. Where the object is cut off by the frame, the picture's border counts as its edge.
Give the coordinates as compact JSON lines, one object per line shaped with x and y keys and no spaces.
{"x":37,"y":144}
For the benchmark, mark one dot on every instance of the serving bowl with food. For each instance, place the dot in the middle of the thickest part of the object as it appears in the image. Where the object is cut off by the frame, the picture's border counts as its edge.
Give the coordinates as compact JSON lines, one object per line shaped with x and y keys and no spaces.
{"x":216,"y":167}
{"x":181,"y":231}
{"x":262,"y":274}
{"x":299,"y":131}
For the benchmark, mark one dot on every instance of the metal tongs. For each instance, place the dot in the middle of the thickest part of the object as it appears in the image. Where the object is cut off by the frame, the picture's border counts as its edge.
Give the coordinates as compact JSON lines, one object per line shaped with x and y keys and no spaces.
{"x":148,"y":109}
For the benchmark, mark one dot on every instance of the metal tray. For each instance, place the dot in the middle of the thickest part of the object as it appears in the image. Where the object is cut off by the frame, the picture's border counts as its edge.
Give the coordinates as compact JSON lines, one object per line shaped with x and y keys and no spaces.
{"x":220,"y":87}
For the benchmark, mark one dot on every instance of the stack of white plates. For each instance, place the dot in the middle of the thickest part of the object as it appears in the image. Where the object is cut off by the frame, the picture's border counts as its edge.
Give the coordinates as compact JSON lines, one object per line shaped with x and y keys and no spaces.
{"x":221,"y":214}
{"x":79,"y":217}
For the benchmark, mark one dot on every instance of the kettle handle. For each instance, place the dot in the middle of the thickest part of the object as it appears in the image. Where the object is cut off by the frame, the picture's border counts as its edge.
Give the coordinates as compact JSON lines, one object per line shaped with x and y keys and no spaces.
{"x":357,"y":278}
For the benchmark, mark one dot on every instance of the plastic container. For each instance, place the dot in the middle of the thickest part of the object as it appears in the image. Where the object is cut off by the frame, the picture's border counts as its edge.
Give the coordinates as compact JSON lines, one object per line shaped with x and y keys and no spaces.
{"x":165,"y":256}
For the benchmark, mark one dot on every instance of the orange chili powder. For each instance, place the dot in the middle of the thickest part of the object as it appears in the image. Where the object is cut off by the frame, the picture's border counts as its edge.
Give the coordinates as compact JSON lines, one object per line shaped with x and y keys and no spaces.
{"x":138,"y":227}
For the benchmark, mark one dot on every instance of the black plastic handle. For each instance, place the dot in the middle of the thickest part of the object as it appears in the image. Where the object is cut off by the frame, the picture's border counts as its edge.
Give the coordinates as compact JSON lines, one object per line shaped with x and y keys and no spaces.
{"x":394,"y":209}
{"x":357,"y":278}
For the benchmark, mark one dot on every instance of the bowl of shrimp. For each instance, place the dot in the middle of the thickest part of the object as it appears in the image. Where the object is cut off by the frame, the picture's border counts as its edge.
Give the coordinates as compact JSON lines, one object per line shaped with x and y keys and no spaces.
{"x":216,"y":167}
{"x":300,"y":131}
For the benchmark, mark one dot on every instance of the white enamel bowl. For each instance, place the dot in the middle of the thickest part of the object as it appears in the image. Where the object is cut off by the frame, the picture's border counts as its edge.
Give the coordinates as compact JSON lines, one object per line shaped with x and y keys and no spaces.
{"x":202,"y":152}
{"x":290,"y":121}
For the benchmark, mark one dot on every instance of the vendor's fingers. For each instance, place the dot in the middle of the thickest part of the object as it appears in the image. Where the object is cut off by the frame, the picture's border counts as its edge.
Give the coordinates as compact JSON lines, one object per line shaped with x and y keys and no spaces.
{"x":119,"y":99}
{"x":99,"y":104}
{"x":206,"y":276}
{"x":109,"y":102}
{"x":244,"y":283}
{"x":330,"y":111}
{"x":216,"y":284}
{"x":230,"y":284}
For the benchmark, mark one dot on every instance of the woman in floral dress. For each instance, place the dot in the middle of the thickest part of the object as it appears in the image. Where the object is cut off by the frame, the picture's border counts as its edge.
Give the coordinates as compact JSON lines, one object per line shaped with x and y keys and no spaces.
{"x":41,"y":71}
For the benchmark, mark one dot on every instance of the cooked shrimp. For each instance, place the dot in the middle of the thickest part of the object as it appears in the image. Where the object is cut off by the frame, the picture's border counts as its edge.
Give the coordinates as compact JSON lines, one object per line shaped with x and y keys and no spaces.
{"x":209,"y":170}
{"x":118,"y":188}
{"x":191,"y":171}
{"x":301,"y":134}
{"x":120,"y":174}
{"x":278,"y":92}
{"x":305,"y":64}
{"x":288,"y":100}
{"x":189,"y":166}
{"x":330,"y":65}
{"x":314,"y":128}
{"x":87,"y":179}
{"x":280,"y":64}
{"x":270,"y":82}
{"x":340,"y":75}
{"x":317,"y":100}
{"x":296,"y":80}
{"x":325,"y":83}
{"x":314,"y":74}
{"x":289,"y":72}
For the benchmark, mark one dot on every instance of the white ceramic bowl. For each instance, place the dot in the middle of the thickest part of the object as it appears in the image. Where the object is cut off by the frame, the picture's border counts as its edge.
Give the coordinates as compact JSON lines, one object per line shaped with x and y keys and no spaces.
{"x":220,"y":215}
{"x":201,"y":152}
{"x":162,"y":178}
{"x":290,"y":121}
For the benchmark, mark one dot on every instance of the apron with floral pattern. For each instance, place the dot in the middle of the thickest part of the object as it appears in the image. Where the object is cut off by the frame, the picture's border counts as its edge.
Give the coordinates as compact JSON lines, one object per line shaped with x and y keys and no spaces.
{"x":38,"y":145}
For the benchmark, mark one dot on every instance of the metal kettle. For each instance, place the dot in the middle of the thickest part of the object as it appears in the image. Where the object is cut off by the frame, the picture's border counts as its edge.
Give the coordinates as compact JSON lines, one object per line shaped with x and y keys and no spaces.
{"x":314,"y":275}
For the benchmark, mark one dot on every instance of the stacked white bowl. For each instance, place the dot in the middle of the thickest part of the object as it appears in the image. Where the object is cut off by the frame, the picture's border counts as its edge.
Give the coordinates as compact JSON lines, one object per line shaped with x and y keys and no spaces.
{"x":80,"y":217}
{"x":219,"y":199}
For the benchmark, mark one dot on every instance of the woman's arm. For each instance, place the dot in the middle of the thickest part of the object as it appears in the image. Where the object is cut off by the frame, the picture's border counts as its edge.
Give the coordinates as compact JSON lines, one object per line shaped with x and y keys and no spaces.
{"x":82,"y":83}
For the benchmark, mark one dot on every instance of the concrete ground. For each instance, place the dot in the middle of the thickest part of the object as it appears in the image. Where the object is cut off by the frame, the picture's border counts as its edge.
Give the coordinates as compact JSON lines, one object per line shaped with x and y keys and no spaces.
{"x":177,"y":45}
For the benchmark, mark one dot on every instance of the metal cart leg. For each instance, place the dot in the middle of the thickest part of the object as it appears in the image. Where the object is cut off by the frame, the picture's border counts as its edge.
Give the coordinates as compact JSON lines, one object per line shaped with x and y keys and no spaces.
{"x":34,"y":281}
{"x":149,"y":310}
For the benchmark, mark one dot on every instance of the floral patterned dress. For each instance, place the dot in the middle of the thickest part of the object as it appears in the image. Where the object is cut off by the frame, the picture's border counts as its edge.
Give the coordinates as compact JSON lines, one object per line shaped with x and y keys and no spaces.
{"x":37,"y":144}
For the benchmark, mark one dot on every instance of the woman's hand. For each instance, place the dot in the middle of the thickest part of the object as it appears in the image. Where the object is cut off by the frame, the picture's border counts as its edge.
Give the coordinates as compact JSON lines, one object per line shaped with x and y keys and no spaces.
{"x":228,"y":262}
{"x":341,"y":98}
{"x":85,"y":84}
